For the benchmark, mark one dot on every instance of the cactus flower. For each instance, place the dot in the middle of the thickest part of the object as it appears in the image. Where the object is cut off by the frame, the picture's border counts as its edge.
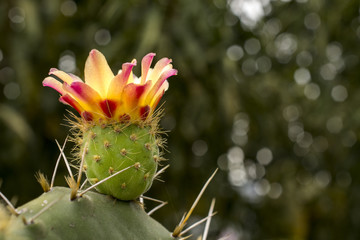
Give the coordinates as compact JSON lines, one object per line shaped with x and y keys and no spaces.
{"x":111,"y":97}
{"x":117,"y":131}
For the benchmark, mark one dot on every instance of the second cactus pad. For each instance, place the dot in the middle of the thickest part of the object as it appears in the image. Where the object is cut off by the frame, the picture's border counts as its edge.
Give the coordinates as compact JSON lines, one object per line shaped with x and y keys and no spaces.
{"x":113,"y":148}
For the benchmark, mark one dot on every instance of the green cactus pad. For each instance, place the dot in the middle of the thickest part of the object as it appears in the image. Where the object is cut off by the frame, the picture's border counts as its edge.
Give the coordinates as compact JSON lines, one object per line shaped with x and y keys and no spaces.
{"x":93,"y":216}
{"x":112,"y":148}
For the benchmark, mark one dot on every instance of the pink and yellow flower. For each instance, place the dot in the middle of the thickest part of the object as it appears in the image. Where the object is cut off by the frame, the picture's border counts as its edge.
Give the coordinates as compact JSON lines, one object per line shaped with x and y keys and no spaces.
{"x":106,"y":96}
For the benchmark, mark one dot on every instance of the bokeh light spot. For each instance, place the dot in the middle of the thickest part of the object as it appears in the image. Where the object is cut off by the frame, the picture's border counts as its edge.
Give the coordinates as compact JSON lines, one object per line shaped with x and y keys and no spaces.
{"x":291,"y":113}
{"x":235,"y":52}
{"x":302,"y":76}
{"x":312,"y":21}
{"x":102,"y":37}
{"x":286,"y":45}
{"x":334,"y":124}
{"x":16,"y":15}
{"x":339,"y":93}
{"x":323,"y":178}
{"x":235,"y":157}
{"x":248,"y":11}
{"x":68,"y":8}
{"x":12,"y":90}
{"x":294,"y":130}
{"x":262,"y":187}
{"x":249,"y":67}
{"x":272,"y":27}
{"x":312,"y":91}
{"x":264,"y":156}
{"x":348,"y":139}
{"x":252,"y":46}
{"x":237,"y":177}
{"x":333,"y":52}
{"x":222,"y":162}
{"x":304,"y":139}
{"x":328,"y":71}
{"x":304,"y":59}
{"x":67,"y":62}
{"x":263,"y":64}
{"x":199,"y":148}
{"x":275,"y":190}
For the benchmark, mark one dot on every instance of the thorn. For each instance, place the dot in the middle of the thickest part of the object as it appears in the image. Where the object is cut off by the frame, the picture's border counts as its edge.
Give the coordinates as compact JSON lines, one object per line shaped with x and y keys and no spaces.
{"x":12,"y":208}
{"x":157,"y":208}
{"x":178,"y":230}
{"x":83,"y":184}
{"x":81,"y":166}
{"x":57,"y":163}
{"x":197,"y":223}
{"x":207,"y":225}
{"x":40,"y":177}
{"x":105,"y":179}
{"x":152,"y":199}
{"x":65,"y":159}
{"x":31,"y":220}
{"x":141,"y":199}
{"x":185,"y":238}
{"x":73,"y":186}
{"x":161,"y":170}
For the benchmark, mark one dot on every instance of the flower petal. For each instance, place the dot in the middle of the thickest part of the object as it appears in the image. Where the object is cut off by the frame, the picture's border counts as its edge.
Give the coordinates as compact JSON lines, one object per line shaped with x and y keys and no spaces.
{"x":160,"y":84}
{"x":156,"y":99}
{"x":87,"y":97}
{"x":67,"y":99}
{"x":97,"y":72}
{"x":109,"y":107}
{"x":62,"y":76}
{"x":145,"y":66}
{"x":53,"y":83}
{"x":131,"y":96}
{"x":75,"y":78}
{"x":160,"y":66}
{"x":117,"y":84}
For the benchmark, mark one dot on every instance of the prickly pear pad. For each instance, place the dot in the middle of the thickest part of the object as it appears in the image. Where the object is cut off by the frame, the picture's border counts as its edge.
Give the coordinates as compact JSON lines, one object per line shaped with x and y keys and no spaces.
{"x":112,"y":148}
{"x":92,"y":217}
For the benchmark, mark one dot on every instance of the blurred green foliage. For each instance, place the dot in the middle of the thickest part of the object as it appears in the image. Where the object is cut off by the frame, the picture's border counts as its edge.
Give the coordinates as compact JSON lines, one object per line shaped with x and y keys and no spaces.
{"x":267,"y":91}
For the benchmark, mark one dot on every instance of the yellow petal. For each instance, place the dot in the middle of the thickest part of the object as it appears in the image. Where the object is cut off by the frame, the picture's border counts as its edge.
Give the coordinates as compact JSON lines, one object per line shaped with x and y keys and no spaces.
{"x":97,"y":72}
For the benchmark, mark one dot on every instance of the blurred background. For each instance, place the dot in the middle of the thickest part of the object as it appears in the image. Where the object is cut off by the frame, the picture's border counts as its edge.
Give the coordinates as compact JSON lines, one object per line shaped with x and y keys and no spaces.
{"x":267,"y":91}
